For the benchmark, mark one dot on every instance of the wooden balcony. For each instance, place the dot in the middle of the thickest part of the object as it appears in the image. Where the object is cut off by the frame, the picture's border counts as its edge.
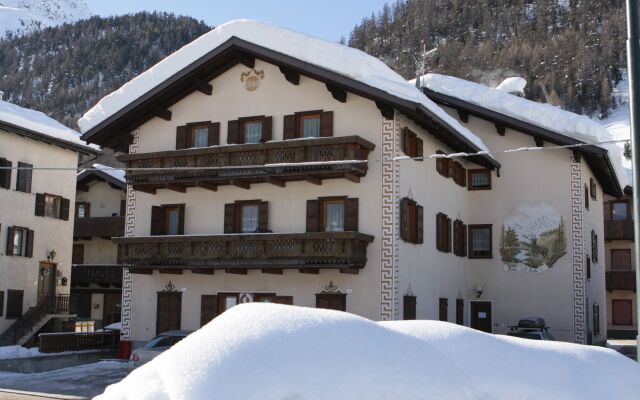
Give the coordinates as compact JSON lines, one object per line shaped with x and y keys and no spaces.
{"x":271,"y":252}
{"x":105,"y":227}
{"x":618,"y":230}
{"x":621,"y":280}
{"x":241,"y":165}
{"x":104,"y":275}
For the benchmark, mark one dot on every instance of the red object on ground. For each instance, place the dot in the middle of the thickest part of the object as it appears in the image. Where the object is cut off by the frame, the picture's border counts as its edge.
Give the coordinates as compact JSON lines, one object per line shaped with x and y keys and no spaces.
{"x":124,"y":349}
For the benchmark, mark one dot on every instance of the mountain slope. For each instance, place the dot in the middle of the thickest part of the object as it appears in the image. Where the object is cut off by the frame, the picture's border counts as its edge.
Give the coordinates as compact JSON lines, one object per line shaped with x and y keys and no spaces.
{"x":19,"y":17}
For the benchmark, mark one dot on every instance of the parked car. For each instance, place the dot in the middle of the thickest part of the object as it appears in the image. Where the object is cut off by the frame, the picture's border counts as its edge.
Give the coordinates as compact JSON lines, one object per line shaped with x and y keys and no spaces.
{"x":531,"y":328}
{"x":155,"y":346}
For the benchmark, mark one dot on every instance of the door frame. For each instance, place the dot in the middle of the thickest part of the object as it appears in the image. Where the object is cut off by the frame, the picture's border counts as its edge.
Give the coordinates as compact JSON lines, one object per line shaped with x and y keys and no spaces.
{"x":179,"y":309}
{"x":53,"y":271}
{"x":481,"y":301}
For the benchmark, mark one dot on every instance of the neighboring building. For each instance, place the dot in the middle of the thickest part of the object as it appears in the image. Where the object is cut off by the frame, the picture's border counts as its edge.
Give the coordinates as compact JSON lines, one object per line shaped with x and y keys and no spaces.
{"x":36,"y":219}
{"x":96,"y":277}
{"x":266,"y":165}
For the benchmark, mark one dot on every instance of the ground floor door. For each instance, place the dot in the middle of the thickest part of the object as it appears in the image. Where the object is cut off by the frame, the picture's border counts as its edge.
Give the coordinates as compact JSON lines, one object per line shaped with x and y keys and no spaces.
{"x":332,"y":301}
{"x":481,"y":318}
{"x":111,"y":311}
{"x":169,"y":311}
{"x":622,"y":311}
{"x":46,"y":280}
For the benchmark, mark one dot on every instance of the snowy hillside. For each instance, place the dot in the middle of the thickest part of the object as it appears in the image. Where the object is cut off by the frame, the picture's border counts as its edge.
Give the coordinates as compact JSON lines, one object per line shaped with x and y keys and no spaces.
{"x":23,"y":16}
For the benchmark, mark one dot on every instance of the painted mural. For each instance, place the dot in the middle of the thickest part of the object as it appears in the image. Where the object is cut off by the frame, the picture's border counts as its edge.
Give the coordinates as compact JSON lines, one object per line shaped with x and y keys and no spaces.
{"x":533,"y":240}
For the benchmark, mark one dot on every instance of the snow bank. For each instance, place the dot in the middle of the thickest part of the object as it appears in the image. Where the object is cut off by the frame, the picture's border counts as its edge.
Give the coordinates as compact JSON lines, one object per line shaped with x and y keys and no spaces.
{"x":10,"y":352}
{"x":271,"y":351}
{"x":546,"y":116}
{"x":344,"y":60}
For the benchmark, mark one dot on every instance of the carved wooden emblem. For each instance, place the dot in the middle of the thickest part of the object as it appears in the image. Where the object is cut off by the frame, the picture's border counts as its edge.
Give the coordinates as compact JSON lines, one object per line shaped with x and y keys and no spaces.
{"x":251,"y":79}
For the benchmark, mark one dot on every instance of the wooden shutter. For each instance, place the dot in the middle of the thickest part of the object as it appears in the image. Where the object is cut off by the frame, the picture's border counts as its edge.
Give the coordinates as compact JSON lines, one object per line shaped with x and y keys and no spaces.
{"x":230,"y":218}
{"x":313,"y":217}
{"x":439,"y":231}
{"x":404,"y":218}
{"x":263,"y":216}
{"x":443,"y":309}
{"x":405,"y":140}
{"x":289,"y":127}
{"x":208,"y":308}
{"x":87,"y":210}
{"x":181,"y":137}
{"x":157,"y":221}
{"x":594,"y":246}
{"x":442,"y":165}
{"x":267,"y":127}
{"x":448,"y":235}
{"x":123,"y":207}
{"x":233,"y":132}
{"x":181,"y":219}
{"x":5,"y":174}
{"x":464,"y":240}
{"x":326,"y":124}
{"x":10,"y":238}
{"x":214,"y":134}
{"x":1,"y":303}
{"x":14,"y":304}
{"x":460,"y":311}
{"x":351,"y":215}
{"x":28,"y":247}
{"x":77,"y":256}
{"x":409,"y":307}
{"x":419,"y":224}
{"x":588,"y":268}
{"x":419,"y":149}
{"x":586,"y":197}
{"x":40,"y":204}
{"x":282,"y":300}
{"x":28,"y":176}
{"x":64,"y":209}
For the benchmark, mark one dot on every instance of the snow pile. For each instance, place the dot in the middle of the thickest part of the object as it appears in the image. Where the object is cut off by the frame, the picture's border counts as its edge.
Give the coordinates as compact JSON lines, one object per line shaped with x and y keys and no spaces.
{"x":23,"y":16}
{"x":513,"y":85}
{"x":546,"y":116}
{"x":113,"y":172}
{"x":10,"y":352}
{"x":39,"y":122}
{"x":270,"y":351}
{"x":335,"y":57}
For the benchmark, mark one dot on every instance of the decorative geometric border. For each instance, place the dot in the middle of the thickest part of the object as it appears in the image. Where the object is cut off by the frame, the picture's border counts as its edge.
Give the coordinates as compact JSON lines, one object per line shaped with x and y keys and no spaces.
{"x":129,"y":230}
{"x":577,"y":237}
{"x":389,"y":259}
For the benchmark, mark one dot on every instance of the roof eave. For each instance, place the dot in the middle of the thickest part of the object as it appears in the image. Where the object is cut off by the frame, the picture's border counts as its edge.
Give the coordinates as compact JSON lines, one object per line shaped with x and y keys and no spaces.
{"x":21,"y":131}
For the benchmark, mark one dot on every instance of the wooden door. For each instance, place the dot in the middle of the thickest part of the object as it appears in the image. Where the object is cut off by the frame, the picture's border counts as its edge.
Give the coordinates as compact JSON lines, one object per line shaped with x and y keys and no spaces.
{"x":111,"y":309}
{"x":622,"y":312}
{"x":481,"y":316}
{"x":77,"y":257}
{"x":332,"y":301}
{"x":83,"y":304}
{"x":208,"y":308}
{"x":46,"y":280}
{"x":14,"y":304}
{"x":169,"y":312}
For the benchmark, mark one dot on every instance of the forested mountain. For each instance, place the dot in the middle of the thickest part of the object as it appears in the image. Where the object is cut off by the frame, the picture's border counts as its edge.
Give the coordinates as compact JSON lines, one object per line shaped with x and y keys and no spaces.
{"x":571,"y":52}
{"x":65,"y":70}
{"x":19,"y":17}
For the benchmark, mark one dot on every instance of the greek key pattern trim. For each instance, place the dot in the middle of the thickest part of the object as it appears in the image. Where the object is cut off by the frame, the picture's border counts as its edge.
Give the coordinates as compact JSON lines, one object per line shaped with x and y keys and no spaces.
{"x":129,"y":230}
{"x":577,"y":238}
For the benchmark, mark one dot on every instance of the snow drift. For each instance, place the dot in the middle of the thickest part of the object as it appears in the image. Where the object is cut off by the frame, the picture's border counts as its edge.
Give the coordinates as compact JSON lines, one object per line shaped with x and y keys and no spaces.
{"x":269,"y":351}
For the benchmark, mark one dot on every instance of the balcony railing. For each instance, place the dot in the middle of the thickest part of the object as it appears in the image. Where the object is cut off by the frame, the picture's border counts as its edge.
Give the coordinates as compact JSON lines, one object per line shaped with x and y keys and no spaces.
{"x":346,"y":251}
{"x":621,"y":280}
{"x":84,"y":275}
{"x":105,"y":227}
{"x":618,"y":230}
{"x":275,"y":162}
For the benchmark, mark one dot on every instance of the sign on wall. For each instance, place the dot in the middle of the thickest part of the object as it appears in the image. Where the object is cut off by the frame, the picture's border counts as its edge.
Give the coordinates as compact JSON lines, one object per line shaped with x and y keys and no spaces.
{"x":533,"y":240}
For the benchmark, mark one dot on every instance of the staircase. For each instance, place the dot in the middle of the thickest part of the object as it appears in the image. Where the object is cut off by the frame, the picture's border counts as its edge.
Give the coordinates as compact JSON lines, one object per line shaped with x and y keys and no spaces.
{"x":57,"y":306}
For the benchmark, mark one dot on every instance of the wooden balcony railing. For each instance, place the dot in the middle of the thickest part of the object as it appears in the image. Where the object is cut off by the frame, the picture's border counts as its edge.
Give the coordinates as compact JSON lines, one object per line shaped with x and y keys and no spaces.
{"x":346,"y":251}
{"x":273,"y":162}
{"x":618,"y":230}
{"x":84,"y":275}
{"x":106,"y":227}
{"x":621,"y":280}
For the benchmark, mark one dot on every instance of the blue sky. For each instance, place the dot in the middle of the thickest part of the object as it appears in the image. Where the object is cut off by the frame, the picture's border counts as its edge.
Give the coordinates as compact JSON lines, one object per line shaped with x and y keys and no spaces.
{"x":328,"y":19}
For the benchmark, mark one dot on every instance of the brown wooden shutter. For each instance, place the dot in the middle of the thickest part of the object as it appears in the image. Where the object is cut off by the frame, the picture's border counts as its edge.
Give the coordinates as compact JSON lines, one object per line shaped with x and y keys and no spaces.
{"x":419,"y":149}
{"x":10,"y":238}
{"x":464,"y":241}
{"x":123,"y":207}
{"x":157,"y":221}
{"x":409,"y":307}
{"x":313,"y":217}
{"x":267,"y":128}
{"x":208,"y":308}
{"x":404,"y":218}
{"x":263,"y":216}
{"x":448,"y":237}
{"x":64,"y":209}
{"x":233,"y":132}
{"x":419,"y":224}
{"x":405,"y":141}
{"x":28,"y":175}
{"x":181,"y":137}
{"x":351,"y":215}
{"x":5,"y":174}
{"x":230,"y":218}
{"x":289,"y":127}
{"x":586,"y":196}
{"x":77,"y":255}
{"x":282,"y":300}
{"x":326,"y":124}
{"x":40,"y":204}
{"x":1,"y":303}
{"x":14,"y":304}
{"x":87,"y":210}
{"x":28,"y":248}
{"x":460,"y":311}
{"x":181,"y":219}
{"x":439,"y":231}
{"x":214,"y":134}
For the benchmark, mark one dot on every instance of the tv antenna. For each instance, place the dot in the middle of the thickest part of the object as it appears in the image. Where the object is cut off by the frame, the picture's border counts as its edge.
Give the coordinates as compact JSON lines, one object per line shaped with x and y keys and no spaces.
{"x":421,"y":65}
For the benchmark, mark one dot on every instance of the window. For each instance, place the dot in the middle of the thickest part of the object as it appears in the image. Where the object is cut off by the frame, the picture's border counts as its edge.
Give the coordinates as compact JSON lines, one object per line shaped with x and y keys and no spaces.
{"x":596,"y":319}
{"x":19,"y":242}
{"x":586,"y":196}
{"x":594,"y":246}
{"x":23,"y":182}
{"x":411,"y":221}
{"x":200,"y":136}
{"x":332,"y":301}
{"x":443,"y":309}
{"x":459,"y":238}
{"x":197,"y":134}
{"x":332,"y":214}
{"x":460,"y":311}
{"x":14,"y":304}
{"x":479,"y":179}
{"x":621,"y":259}
{"x":77,"y":256}
{"x":247,"y":216}
{"x":252,"y":131}
{"x":308,"y":124}
{"x":249,"y":130}
{"x":593,"y":189}
{"x":588,"y":268}
{"x":622,"y":312}
{"x":167,"y":219}
{"x":412,"y":145}
{"x":443,"y":233}
{"x":83,"y":210}
{"x":52,"y":206}
{"x":5,"y":174}
{"x":620,"y":211}
{"x":409,"y":307}
{"x":480,"y":241}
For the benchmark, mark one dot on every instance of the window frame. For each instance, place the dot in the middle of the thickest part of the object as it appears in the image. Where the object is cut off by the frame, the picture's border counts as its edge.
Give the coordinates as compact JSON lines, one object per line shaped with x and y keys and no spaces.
{"x":240,"y":205}
{"x":59,"y":210}
{"x":471,"y":251}
{"x":627,"y":251}
{"x":475,"y":171}
{"x":24,"y":168}
{"x":24,"y":232}
{"x":627,"y":205}
{"x":191,"y":134}
{"x":301,"y":116}
{"x":593,"y":191}
{"x":242,"y":122}
{"x":323,"y":202}
{"x":85,"y":206}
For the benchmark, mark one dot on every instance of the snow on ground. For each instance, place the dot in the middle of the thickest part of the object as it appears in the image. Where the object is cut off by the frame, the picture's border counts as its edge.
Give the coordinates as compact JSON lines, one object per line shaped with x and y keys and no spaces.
{"x":271,"y":351}
{"x":343,"y":60}
{"x":86,"y":380}
{"x":9,"y":352}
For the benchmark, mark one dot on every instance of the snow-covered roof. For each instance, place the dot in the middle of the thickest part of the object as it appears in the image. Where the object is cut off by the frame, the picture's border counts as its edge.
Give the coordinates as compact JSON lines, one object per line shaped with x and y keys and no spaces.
{"x":113,"y":175}
{"x":545,"y":116}
{"x":113,"y":172}
{"x":513,"y":84}
{"x":41,"y":124}
{"x":274,"y":352}
{"x":334,"y":57}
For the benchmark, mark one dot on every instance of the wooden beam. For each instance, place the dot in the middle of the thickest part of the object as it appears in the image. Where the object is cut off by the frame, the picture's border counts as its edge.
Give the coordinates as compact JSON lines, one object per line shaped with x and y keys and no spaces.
{"x":144,"y":189}
{"x":161,"y":112}
{"x":208,"y":186}
{"x":385,"y":109}
{"x":203,"y":271}
{"x":176,"y":187}
{"x":141,"y":271}
{"x":276,"y":271}
{"x":500,"y":129}
{"x":246,"y":59}
{"x":241,"y":184}
{"x":172,"y":271}
{"x":539,"y":141}
{"x":202,"y":86}
{"x":277,"y":182}
{"x":576,"y":155}
{"x":464,"y":116}
{"x":313,"y":179}
{"x":351,"y":177}
{"x":313,"y":271}
{"x":237,"y":271}
{"x":337,"y":93}
{"x":352,"y":270}
{"x":290,"y":75}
